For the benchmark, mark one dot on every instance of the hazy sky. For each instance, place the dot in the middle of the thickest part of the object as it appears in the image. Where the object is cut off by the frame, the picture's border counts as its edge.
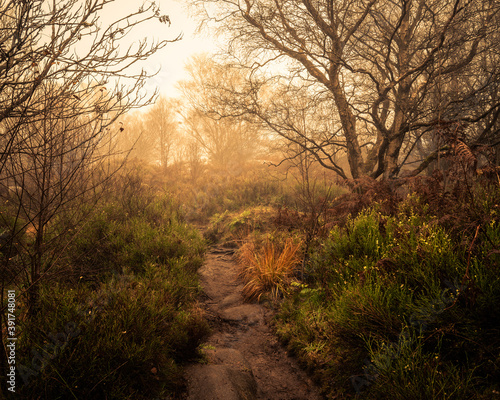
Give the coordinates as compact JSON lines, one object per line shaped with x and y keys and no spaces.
{"x":172,"y":58}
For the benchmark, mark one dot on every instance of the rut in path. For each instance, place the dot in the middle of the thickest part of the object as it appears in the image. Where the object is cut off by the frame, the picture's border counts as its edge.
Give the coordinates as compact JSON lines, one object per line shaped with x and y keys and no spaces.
{"x":245,"y":360}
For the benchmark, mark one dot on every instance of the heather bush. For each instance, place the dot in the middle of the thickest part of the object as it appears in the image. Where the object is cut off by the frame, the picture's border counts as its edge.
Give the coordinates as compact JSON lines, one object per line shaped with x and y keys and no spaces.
{"x":399,"y":305}
{"x":118,"y":313}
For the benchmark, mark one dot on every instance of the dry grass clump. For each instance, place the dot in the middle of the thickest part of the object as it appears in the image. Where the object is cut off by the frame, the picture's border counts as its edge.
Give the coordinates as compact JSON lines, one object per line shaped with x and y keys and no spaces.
{"x":269,"y":267}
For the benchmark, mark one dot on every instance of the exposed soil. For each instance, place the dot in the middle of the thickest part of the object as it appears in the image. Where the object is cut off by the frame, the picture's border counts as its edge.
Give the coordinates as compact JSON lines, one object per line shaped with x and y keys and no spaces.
{"x":244,"y":358}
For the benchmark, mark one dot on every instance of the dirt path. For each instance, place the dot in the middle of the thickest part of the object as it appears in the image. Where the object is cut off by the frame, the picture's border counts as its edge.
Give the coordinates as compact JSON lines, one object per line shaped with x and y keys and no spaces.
{"x":244,"y":359}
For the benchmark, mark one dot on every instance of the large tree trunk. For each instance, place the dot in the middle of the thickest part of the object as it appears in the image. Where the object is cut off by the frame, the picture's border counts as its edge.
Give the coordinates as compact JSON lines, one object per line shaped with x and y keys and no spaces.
{"x":401,"y":106}
{"x":348,"y":121}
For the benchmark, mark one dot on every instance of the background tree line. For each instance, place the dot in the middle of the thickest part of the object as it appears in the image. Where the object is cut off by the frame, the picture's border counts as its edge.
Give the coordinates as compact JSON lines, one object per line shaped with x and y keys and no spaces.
{"x":185,"y":132}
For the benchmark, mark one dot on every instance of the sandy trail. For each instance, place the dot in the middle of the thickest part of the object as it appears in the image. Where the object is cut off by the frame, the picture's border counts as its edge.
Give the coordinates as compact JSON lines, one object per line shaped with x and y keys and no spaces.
{"x":244,"y":358}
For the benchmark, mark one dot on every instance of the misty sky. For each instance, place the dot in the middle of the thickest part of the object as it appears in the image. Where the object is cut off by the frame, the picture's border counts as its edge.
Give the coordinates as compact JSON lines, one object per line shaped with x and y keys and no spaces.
{"x":172,"y":58}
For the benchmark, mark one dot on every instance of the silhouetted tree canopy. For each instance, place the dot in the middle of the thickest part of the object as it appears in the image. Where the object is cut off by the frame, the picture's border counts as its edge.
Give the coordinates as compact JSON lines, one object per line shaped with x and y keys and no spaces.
{"x":393,"y":72}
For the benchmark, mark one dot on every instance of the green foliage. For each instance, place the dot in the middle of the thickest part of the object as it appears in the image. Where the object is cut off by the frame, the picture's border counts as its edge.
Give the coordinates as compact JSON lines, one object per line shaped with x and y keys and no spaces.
{"x":119,"y":318}
{"x":397,"y":306}
{"x":238,"y":225}
{"x":128,"y":337}
{"x":116,"y":238}
{"x":411,"y":371}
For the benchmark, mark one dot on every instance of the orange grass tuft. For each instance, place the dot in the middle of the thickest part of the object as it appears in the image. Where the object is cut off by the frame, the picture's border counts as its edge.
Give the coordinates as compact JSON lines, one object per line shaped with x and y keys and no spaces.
{"x":268,"y":269}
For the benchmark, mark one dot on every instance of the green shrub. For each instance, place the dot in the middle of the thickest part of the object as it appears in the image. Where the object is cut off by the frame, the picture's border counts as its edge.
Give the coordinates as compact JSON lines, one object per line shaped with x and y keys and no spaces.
{"x":113,"y":240}
{"x":127,"y":339}
{"x":398,"y":307}
{"x":119,"y":317}
{"x":237,"y":226}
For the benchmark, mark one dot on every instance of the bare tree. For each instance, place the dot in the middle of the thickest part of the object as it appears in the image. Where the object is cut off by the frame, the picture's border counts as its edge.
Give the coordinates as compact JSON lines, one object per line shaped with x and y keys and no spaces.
{"x":303,"y":119}
{"x":64,"y":41}
{"x":227,"y":141}
{"x":63,"y":156}
{"x":64,"y":80}
{"x":384,"y":64}
{"x":133,"y":139}
{"x":193,"y":158}
{"x":161,"y":127}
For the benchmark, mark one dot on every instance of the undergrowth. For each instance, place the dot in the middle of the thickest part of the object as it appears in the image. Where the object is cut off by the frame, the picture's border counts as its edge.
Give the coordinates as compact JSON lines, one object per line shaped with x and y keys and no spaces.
{"x":401,"y":300}
{"x":118,"y":314}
